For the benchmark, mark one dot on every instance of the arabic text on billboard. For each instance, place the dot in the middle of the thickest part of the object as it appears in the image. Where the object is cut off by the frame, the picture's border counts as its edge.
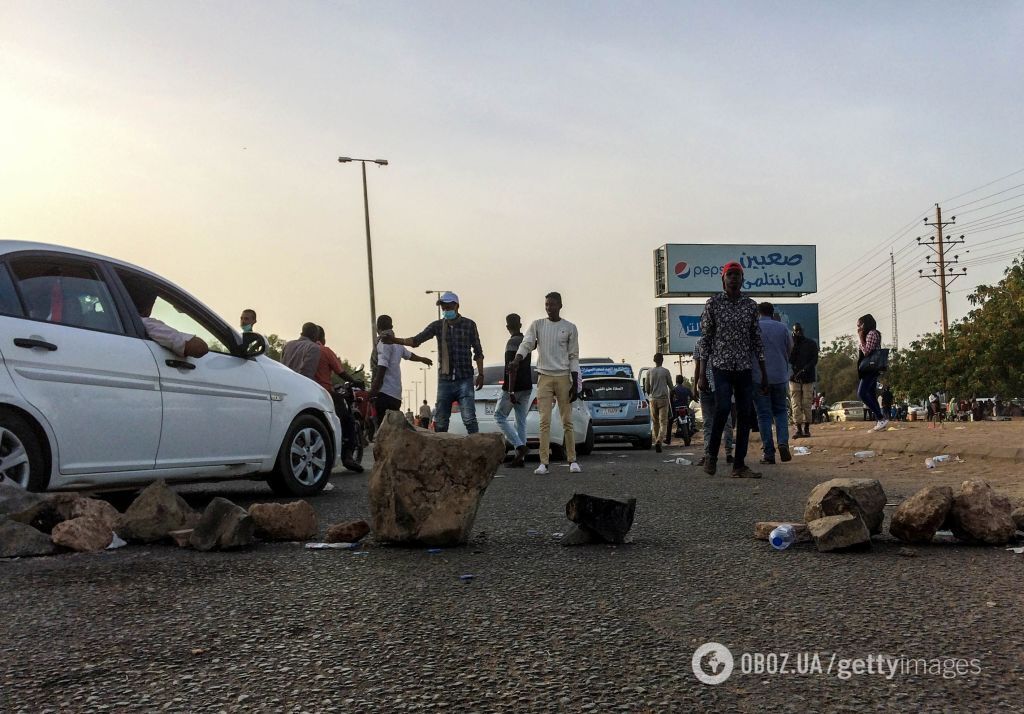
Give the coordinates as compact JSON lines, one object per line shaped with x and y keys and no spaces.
{"x":767,"y":269}
{"x":684,"y":323}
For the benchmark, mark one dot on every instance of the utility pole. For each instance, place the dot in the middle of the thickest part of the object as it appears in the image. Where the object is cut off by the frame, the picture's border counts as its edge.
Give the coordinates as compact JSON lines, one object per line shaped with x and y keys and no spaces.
{"x":679,"y":361}
{"x":892,"y":278}
{"x":941,"y":276}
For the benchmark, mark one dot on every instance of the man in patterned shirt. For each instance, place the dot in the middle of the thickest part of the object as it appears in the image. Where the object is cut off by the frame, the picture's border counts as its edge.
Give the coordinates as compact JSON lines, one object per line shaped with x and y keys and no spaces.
{"x":732,"y":338}
{"x":458,"y":346}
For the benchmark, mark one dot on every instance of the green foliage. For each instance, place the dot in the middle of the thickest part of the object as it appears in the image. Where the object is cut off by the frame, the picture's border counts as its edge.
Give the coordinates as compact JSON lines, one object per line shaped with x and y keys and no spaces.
{"x":983,"y":354}
{"x":837,"y":369}
{"x":276,"y":345}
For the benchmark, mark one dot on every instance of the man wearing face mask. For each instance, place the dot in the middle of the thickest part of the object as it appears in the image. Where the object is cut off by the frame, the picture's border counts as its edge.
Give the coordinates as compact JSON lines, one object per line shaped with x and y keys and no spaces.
{"x":458,"y":346}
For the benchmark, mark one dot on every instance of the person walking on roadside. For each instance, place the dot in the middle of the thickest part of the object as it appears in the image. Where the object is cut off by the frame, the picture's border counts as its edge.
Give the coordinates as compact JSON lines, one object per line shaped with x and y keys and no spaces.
{"x":303,"y":355}
{"x":386,"y":390}
{"x":771,"y":403}
{"x":424,"y":415}
{"x":732,"y":339}
{"x":804,"y":360}
{"x":458,"y":346}
{"x":706,"y":398}
{"x":328,"y":366}
{"x":515,"y":392}
{"x":658,"y":387}
{"x":870,"y":340}
{"x":557,"y":343}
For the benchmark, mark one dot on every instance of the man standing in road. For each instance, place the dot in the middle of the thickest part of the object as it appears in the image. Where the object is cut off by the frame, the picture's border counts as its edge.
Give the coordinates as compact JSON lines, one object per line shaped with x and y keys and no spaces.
{"x":658,"y":387}
{"x":303,"y":355}
{"x":804,"y":359}
{"x":706,"y":397}
{"x":424,"y":415}
{"x":386,"y":390}
{"x":515,"y":392}
{"x":558,"y":367}
{"x":731,"y":339}
{"x":770,"y":403}
{"x":458,"y":346}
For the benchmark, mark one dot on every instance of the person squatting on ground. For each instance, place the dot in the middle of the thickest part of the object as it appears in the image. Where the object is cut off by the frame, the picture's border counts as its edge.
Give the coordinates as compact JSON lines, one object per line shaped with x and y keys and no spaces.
{"x":328,"y":366}
{"x":386,"y":390}
{"x":803,"y":359}
{"x":771,"y":404}
{"x":706,"y":397}
{"x":515,"y":392}
{"x":558,"y":368}
{"x":458,"y":346}
{"x":870,"y":340}
{"x":658,"y":387}
{"x":732,"y":338}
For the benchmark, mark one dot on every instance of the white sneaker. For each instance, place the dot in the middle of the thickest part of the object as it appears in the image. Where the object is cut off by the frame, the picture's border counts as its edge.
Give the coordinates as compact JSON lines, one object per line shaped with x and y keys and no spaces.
{"x":541,"y":470}
{"x":877,"y":427}
{"x":574,"y":468}
{"x":885,"y":424}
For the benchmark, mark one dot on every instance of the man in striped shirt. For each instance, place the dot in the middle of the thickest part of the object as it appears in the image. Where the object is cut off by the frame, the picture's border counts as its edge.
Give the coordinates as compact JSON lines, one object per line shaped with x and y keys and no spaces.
{"x":558,"y":368}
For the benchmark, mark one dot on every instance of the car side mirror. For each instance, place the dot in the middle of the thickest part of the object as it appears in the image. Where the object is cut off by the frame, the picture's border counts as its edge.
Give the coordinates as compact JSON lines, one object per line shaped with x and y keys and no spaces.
{"x":254,"y":345}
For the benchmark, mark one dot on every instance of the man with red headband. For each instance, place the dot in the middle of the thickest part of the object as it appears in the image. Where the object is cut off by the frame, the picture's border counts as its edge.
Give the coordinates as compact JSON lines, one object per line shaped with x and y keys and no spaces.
{"x":732,"y":339}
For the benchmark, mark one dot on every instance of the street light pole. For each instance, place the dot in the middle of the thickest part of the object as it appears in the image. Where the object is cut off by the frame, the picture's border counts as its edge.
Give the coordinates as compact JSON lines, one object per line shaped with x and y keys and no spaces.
{"x":438,"y":293}
{"x":369,"y":245}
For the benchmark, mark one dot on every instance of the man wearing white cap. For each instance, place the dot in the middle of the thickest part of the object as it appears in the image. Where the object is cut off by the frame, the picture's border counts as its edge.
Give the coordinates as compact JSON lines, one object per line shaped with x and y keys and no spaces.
{"x":458,"y":346}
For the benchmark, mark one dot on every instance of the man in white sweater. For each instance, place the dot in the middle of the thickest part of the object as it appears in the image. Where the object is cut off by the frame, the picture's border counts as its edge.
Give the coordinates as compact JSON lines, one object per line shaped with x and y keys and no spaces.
{"x":558,"y":367}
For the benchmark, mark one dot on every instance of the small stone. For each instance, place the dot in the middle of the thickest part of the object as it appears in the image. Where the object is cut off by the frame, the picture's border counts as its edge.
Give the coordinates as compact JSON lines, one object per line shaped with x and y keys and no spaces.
{"x":608,"y":518}
{"x":223,"y":525}
{"x":19,"y":540}
{"x":907,"y":552}
{"x":350,"y":532}
{"x":85,"y":534}
{"x":285,"y":521}
{"x":840,"y":532}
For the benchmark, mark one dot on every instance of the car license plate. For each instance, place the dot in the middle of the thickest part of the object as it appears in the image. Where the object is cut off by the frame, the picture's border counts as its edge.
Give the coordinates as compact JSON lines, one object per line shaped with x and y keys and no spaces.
{"x":610,"y":410}
{"x":488,"y":407}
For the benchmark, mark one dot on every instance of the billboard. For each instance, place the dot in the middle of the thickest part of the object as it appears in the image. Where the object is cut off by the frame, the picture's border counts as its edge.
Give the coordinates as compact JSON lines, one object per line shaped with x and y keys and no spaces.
{"x":695,"y":270}
{"x":678,"y":324}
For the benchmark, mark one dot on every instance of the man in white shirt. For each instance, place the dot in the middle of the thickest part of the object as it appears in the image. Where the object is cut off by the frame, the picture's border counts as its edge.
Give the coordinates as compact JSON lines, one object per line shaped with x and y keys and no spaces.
{"x":558,"y":368}
{"x":178,"y":342}
{"x":386,"y":390}
{"x":658,"y":386}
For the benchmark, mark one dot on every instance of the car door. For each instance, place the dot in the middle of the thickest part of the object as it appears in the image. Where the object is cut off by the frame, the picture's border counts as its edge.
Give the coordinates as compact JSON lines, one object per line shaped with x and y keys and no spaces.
{"x":217,"y":407}
{"x":66,"y":346}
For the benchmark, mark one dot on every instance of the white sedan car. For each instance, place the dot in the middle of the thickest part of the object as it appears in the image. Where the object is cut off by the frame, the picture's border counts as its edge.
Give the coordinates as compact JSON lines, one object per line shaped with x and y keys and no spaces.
{"x":487,"y":399}
{"x":87,"y":400}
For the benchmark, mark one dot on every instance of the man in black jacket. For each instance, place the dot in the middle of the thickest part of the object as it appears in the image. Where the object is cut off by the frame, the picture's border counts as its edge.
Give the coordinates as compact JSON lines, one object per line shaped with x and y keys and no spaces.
{"x":803,"y":359}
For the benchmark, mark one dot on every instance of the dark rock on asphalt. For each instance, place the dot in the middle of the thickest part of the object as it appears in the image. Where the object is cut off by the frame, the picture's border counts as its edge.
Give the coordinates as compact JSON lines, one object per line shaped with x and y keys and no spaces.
{"x":980,"y":515}
{"x":223,"y":526}
{"x":154,"y":514}
{"x":19,"y":540}
{"x":843,"y":532}
{"x":860,"y":496}
{"x":285,"y":521}
{"x":608,"y":518}
{"x":350,"y":532}
{"x":918,"y":517}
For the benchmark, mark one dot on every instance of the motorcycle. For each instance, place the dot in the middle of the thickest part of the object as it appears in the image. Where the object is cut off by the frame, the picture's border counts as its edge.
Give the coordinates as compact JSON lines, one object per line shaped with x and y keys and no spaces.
{"x":363,"y":413}
{"x":685,"y":424}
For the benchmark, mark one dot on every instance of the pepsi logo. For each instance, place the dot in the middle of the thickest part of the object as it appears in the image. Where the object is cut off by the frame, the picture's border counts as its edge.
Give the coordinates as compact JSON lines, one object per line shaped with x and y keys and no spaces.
{"x":682,"y":270}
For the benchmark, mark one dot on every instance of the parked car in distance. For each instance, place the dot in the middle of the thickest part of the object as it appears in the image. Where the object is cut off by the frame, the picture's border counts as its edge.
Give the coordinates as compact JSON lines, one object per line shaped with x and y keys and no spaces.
{"x":848,"y":411}
{"x":88,"y":400}
{"x":487,"y":399}
{"x":618,"y":409}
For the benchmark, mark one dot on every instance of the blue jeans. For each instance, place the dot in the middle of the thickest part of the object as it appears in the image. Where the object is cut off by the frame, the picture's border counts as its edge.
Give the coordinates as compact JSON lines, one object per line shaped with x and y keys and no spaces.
{"x":771,"y":408}
{"x":707,"y":410}
{"x":866,"y":391}
{"x":517,"y":436}
{"x":456,"y":390}
{"x":730,"y":383}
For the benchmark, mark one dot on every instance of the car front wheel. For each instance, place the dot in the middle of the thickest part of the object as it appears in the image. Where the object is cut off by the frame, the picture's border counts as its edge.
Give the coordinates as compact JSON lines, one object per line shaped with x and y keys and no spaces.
{"x":304,"y":462}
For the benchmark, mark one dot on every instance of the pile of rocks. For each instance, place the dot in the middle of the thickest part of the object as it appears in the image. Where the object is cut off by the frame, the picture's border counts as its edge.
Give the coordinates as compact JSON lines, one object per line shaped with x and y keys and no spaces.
{"x":33,"y":524}
{"x":844,"y":514}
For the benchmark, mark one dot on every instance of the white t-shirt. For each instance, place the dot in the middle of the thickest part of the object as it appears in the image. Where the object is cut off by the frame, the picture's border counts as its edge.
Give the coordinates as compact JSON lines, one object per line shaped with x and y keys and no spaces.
{"x":391,"y":356}
{"x":166,"y":336}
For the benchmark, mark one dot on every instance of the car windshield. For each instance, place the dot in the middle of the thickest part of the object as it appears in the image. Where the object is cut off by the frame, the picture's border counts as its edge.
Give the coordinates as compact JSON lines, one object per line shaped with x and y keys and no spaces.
{"x":596,"y":390}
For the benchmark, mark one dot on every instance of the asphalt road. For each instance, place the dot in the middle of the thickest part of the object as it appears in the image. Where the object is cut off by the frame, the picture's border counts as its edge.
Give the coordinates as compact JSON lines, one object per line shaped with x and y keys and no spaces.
{"x":540,"y":627}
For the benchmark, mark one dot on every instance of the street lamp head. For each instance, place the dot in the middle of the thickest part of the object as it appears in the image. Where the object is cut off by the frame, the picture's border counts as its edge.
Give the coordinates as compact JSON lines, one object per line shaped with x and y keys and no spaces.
{"x":343,"y":159}
{"x":381,"y":162}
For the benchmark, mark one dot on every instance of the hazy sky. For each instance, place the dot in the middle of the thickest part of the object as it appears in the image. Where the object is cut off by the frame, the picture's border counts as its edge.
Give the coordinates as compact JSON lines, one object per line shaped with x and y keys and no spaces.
{"x":533,"y":147}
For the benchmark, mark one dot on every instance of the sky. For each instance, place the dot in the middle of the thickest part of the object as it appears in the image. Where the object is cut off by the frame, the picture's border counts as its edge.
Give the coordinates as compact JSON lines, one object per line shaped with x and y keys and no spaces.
{"x":532,"y":146}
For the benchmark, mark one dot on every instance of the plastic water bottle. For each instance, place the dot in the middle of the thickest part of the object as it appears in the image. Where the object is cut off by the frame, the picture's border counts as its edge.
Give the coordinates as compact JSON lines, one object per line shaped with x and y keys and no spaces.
{"x":941,"y":459}
{"x":782,"y":536}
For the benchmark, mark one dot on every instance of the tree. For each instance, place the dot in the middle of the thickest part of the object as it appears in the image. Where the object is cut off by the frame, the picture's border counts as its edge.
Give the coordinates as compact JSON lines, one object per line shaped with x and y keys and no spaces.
{"x":837,"y":369}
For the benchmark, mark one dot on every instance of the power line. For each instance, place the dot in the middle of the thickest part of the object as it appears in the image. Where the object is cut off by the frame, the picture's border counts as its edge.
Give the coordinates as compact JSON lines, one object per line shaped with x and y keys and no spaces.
{"x":986,"y":185}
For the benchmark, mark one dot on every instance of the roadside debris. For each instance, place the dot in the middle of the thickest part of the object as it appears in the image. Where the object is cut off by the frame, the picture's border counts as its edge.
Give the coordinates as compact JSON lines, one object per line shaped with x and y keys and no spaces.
{"x":864,"y":454}
{"x":598,"y":520}
{"x":332,"y":546}
{"x":801,"y":450}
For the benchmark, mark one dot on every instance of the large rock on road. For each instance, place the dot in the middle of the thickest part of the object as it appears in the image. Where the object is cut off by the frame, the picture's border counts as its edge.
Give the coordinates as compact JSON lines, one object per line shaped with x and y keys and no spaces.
{"x":980,"y":515}
{"x":425,"y":487}
{"x":861,"y":497}
{"x":917,"y":518}
{"x":154,"y":514}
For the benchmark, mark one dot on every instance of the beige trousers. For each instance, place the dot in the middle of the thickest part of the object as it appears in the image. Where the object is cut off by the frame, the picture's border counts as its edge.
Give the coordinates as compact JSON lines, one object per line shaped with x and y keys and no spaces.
{"x":549,"y":391}
{"x":660,"y":419}
{"x":801,"y":395}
